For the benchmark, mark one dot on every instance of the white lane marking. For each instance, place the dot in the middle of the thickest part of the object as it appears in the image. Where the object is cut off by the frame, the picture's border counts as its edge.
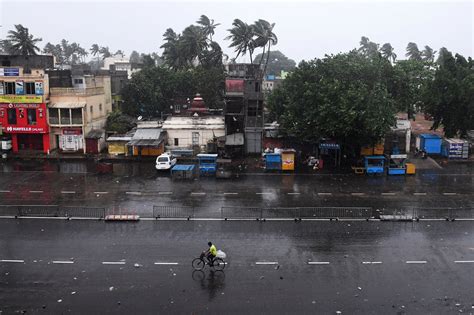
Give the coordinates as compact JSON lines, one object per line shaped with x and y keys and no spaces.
{"x":419,"y":194}
{"x":198,"y":193}
{"x":166,"y":263}
{"x":136,"y":193}
{"x":416,"y":261}
{"x":113,"y":263}
{"x":264,"y":193}
{"x":318,"y":262}
{"x":388,"y":194}
{"x":324,"y":194}
{"x":357,"y":194}
{"x":231,"y":193}
{"x":12,"y":260}
{"x":67,"y":192}
{"x":36,"y":191}
{"x":371,"y":262}
{"x":266,"y":263}
{"x":450,"y":194}
{"x":101,"y":192}
{"x":464,"y":261}
{"x":63,"y":262}
{"x":293,"y":193}
{"x":165,"y":193}
{"x":4,"y":191}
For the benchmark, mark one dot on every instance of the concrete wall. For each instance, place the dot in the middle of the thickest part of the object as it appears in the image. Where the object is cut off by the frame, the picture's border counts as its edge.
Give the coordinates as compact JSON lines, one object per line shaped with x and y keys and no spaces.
{"x":185,"y":136}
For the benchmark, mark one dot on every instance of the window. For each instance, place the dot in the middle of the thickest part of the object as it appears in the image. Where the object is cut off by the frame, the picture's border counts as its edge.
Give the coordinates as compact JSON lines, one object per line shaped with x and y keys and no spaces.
{"x":9,"y":87}
{"x":100,"y":107}
{"x":91,"y":109}
{"x":78,"y":81}
{"x":257,"y":87}
{"x":30,"y":88}
{"x":76,"y":116}
{"x":176,"y":141}
{"x":195,"y":138}
{"x":53,"y":116}
{"x":12,"y":116}
{"x":65,"y":116}
{"x":31,"y":112}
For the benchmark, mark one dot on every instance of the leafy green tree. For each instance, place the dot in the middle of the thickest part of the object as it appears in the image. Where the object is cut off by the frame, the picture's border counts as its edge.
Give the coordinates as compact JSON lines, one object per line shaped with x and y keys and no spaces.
{"x":449,"y":98}
{"x":408,"y":83}
{"x":344,"y":97}
{"x":119,"y":122}
{"x":413,"y":53}
{"x":21,"y":42}
{"x":278,"y":62}
{"x":135,"y":57}
{"x":443,"y":54}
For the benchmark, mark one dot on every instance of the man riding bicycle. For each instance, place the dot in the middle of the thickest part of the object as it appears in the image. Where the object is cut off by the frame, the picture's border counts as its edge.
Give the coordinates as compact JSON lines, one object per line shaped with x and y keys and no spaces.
{"x":211,"y":253}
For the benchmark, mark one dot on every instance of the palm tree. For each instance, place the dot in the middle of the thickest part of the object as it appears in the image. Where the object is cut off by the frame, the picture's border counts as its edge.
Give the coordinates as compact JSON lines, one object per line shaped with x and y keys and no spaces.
{"x":171,"y":51}
{"x":22,"y":42}
{"x":388,"y":52}
{"x":207,"y":25}
{"x":413,"y":53}
{"x":119,"y":52}
{"x":443,"y":54}
{"x":241,"y":36}
{"x":105,"y":52}
{"x":194,"y":43}
{"x":428,"y":54}
{"x":94,"y":49}
{"x":368,"y":48}
{"x":263,"y":31}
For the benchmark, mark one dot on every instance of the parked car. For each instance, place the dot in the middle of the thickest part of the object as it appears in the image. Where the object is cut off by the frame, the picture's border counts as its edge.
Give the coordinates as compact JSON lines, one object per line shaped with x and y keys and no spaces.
{"x":165,"y":161}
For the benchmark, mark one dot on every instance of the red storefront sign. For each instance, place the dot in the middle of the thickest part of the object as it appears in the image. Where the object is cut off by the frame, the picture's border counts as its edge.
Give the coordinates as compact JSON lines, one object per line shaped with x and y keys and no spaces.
{"x":25,"y":129}
{"x":72,"y":131}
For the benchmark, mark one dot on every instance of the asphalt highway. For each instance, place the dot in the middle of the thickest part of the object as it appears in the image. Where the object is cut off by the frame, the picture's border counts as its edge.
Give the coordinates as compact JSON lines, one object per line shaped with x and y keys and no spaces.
{"x":52,"y":266}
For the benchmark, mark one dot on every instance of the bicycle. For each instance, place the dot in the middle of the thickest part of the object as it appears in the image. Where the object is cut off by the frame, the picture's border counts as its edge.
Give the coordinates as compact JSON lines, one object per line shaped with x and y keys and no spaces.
{"x":199,"y":263}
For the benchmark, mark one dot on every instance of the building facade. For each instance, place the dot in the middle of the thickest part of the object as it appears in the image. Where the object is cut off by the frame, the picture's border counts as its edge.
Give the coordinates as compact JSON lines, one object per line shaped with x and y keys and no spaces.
{"x":23,"y":107}
{"x":78,"y":109}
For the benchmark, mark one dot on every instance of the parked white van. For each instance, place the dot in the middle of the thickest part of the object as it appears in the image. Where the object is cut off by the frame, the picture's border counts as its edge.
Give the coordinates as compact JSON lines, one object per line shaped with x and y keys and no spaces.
{"x":165,"y":161}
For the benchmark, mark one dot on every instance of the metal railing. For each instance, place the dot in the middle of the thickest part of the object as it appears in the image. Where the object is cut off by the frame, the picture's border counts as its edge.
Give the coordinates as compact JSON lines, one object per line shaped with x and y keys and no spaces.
{"x":76,"y":91}
{"x":52,"y":211}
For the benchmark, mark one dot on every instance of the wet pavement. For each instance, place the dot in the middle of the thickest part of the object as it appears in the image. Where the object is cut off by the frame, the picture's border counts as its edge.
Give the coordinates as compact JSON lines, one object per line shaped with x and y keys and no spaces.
{"x":137,"y":187}
{"x":83,"y":267}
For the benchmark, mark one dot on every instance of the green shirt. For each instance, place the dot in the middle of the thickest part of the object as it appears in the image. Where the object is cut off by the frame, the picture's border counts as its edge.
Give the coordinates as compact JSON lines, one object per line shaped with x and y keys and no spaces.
{"x":213,"y":250}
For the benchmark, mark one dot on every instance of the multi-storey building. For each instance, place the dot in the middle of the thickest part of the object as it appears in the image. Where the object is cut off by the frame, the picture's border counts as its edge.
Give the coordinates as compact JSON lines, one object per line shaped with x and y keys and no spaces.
{"x":23,"y":102}
{"x":244,"y":108}
{"x":78,"y":109}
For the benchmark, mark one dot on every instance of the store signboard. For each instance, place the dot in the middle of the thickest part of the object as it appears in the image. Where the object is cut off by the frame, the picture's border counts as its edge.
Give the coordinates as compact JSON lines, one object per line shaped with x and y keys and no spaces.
{"x":39,"y":88}
{"x":9,"y":72}
{"x":21,"y":99}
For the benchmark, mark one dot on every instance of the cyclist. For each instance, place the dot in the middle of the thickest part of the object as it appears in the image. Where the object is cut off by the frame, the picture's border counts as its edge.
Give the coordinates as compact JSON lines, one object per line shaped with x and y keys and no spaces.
{"x":211,"y":253}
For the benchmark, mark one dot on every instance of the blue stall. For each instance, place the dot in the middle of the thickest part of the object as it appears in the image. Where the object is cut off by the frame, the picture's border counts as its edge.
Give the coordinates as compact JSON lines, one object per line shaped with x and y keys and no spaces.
{"x":273,"y":161}
{"x":181,"y":171}
{"x":374,"y":164}
{"x":429,"y":143}
{"x":207,"y":164}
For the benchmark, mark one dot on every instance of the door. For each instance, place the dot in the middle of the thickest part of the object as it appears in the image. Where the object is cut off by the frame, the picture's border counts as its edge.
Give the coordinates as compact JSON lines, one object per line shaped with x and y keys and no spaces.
{"x":92,"y":146}
{"x":195,"y":138}
{"x":253,"y":141}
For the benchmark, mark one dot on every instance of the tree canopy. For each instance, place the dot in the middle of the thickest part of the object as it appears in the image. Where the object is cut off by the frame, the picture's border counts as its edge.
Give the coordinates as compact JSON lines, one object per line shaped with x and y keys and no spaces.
{"x":449,"y":98}
{"x":344,"y":97}
{"x":277,"y":62}
{"x":20,"y":42}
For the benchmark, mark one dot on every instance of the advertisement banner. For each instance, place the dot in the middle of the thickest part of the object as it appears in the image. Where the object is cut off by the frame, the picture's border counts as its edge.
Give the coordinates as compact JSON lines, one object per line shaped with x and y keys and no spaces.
{"x":19,"y":88}
{"x":21,"y":99}
{"x":10,"y":105}
{"x":25,"y":129}
{"x":39,"y":87}
{"x":1,"y":88}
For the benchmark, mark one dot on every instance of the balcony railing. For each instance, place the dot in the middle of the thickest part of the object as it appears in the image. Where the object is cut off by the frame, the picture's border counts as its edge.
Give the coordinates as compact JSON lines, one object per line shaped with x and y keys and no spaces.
{"x":76,"y":91}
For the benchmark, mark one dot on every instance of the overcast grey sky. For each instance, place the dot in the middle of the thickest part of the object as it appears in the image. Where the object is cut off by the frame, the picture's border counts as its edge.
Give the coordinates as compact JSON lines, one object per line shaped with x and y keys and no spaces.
{"x":305,"y":29}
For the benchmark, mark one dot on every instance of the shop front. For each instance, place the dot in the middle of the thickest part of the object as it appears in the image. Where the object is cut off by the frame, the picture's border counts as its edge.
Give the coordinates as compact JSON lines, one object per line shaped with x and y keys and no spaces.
{"x":25,"y":125}
{"x":71,"y":140}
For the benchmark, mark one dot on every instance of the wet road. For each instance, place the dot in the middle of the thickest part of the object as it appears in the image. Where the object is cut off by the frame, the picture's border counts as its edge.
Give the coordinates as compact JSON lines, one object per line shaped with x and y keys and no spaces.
{"x":137,"y":187}
{"x":56,"y":266}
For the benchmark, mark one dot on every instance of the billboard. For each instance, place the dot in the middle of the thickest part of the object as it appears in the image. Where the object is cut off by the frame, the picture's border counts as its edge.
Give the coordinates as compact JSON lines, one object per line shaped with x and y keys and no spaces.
{"x":9,"y":72}
{"x":19,"y":87}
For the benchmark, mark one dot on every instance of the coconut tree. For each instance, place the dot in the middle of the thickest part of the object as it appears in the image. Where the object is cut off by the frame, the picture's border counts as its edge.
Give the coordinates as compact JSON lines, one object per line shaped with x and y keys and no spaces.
{"x":388,"y":52}
{"x":172,"y":53}
{"x":263,"y":31}
{"x":428,"y":54}
{"x":241,"y":36}
{"x":105,"y":52}
{"x":208,"y":26}
{"x":193,"y":43}
{"x":413,"y":53}
{"x":22,"y":42}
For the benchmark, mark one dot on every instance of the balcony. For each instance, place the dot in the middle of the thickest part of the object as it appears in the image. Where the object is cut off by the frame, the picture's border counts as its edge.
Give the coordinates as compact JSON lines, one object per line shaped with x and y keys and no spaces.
{"x":76,"y":91}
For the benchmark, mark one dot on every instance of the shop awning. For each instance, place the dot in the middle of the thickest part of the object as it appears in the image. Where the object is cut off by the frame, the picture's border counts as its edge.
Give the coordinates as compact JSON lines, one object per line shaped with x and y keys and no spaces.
{"x":147,"y":137}
{"x":95,"y":134}
{"x":67,"y":105}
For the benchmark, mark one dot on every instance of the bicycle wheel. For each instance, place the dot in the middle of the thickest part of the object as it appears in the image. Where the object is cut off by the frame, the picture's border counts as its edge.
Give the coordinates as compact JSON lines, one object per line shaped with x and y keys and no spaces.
{"x":219,"y":264}
{"x":198,"y":264}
